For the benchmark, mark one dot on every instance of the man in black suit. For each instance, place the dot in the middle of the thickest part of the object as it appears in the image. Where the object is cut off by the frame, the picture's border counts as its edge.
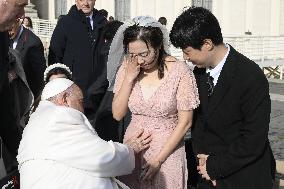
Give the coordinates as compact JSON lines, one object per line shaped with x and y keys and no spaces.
{"x":32,"y":52}
{"x":230,"y":129}
{"x":76,"y":42}
{"x":9,"y":132}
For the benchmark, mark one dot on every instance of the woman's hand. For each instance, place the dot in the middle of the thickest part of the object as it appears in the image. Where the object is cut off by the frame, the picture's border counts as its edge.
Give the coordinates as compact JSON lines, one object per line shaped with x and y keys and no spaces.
{"x":140,"y":141}
{"x":150,"y":169}
{"x":132,"y":69}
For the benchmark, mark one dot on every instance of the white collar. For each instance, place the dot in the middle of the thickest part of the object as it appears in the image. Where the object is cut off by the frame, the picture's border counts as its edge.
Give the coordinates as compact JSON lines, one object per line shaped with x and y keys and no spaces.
{"x":19,"y":34}
{"x":16,"y":39}
{"x":91,"y":20}
{"x":215,"y":72}
{"x":90,"y":16}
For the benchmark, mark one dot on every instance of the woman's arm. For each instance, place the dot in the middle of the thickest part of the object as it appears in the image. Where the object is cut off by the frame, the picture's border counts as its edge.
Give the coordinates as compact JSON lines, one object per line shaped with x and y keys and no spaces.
{"x":184,"y":123}
{"x":120,"y":99}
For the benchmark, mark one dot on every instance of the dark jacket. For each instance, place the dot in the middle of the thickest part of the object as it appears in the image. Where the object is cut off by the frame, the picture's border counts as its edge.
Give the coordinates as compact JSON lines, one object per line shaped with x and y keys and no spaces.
{"x":71,"y":45}
{"x":104,"y":123}
{"x":20,"y":91}
{"x":9,"y":131}
{"x":231,"y":126}
{"x":31,"y":49}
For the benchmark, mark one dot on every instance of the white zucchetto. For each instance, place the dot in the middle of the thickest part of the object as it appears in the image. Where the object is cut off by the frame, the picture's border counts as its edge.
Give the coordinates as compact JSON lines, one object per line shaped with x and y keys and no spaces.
{"x":55,"y":87}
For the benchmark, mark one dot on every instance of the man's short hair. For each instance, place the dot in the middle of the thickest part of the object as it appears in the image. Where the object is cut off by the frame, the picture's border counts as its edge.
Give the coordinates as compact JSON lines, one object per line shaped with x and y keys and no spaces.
{"x":163,"y":20}
{"x":193,"y":26}
{"x":110,"y":29}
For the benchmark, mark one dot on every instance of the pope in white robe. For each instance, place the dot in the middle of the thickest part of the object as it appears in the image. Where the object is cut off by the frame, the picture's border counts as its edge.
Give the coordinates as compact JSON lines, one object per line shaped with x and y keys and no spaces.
{"x":60,"y":149}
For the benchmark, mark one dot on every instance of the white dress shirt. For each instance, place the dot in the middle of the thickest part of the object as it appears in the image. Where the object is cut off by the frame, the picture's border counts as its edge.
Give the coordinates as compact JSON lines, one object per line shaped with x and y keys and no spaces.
{"x":15,"y":41}
{"x":215,"y":72}
{"x":91,"y":20}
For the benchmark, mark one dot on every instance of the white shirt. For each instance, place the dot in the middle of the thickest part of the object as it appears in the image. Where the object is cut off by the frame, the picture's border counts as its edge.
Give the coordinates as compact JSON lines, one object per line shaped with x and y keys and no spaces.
{"x":91,"y":20}
{"x":15,"y":41}
{"x":215,"y":72}
{"x":60,"y":149}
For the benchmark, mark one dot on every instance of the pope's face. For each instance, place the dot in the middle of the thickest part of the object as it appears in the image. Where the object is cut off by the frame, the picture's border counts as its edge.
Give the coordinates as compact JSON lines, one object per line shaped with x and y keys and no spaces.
{"x":86,"y":6}
{"x":75,"y":99}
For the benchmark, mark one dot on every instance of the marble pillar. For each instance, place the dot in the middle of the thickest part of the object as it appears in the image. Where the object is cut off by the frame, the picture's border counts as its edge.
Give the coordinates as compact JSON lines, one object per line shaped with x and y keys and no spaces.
{"x":122,"y":10}
{"x":31,"y":11}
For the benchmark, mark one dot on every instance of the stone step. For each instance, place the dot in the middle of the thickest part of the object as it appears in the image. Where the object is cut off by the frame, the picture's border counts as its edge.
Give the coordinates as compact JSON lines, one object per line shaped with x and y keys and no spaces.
{"x":280,"y":167}
{"x":31,"y":11}
{"x":281,"y":184}
{"x":280,"y":170}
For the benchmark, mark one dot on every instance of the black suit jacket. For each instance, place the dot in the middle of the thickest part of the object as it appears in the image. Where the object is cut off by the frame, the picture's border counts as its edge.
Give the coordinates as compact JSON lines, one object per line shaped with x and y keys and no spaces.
{"x":9,"y":132}
{"x":32,"y":52}
{"x":71,"y":45}
{"x":231,"y":126}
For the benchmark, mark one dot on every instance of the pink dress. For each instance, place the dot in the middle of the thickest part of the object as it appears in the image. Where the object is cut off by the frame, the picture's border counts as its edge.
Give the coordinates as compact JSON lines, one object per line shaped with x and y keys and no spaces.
{"x":158,"y":115}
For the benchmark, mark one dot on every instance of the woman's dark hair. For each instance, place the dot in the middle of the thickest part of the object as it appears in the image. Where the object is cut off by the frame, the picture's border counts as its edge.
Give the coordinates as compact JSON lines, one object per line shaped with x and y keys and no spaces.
{"x":111,"y":18}
{"x":30,"y":21}
{"x":56,"y":71}
{"x":103,"y":12}
{"x":152,"y":36}
{"x":193,"y":26}
{"x":110,"y":29}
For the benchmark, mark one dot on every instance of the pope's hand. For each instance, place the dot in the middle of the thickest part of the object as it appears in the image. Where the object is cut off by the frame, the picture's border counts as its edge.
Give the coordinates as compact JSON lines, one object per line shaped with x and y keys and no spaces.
{"x":140,"y":141}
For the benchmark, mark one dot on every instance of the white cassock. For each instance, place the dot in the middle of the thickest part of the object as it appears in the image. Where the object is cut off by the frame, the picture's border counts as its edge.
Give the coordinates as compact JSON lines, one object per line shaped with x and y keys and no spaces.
{"x":60,"y":149}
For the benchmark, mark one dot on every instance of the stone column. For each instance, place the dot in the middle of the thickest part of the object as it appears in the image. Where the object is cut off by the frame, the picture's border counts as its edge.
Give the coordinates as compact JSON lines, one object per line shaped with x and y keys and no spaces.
{"x":30,"y":11}
{"x":122,"y":10}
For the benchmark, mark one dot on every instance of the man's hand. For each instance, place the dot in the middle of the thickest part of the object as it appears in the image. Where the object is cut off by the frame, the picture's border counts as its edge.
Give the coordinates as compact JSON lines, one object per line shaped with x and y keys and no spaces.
{"x":12,"y":75}
{"x":202,"y":160}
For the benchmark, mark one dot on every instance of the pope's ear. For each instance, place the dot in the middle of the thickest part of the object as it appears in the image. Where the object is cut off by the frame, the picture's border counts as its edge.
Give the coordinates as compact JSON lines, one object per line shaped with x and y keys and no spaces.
{"x":63,"y":100}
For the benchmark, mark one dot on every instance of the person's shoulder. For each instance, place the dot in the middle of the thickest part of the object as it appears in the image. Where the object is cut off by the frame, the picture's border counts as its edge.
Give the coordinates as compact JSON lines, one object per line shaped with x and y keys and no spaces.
{"x":248,"y":68}
{"x":177,"y":66}
{"x":101,"y":20}
{"x":169,"y":59}
{"x":68,"y":115}
{"x":32,"y":36}
{"x":174,"y":63}
{"x":52,"y":115}
{"x":44,"y":112}
{"x":66,"y":21}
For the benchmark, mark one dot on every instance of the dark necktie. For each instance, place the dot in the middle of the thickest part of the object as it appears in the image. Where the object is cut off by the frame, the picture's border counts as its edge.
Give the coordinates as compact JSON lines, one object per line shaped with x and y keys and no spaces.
{"x":11,"y":42}
{"x":88,"y":21}
{"x":90,"y":31}
{"x":210,"y":84}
